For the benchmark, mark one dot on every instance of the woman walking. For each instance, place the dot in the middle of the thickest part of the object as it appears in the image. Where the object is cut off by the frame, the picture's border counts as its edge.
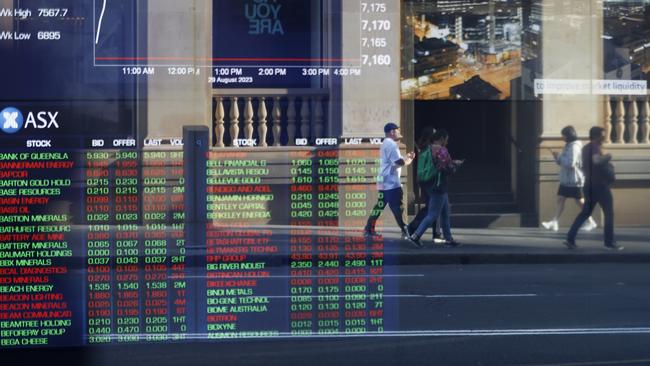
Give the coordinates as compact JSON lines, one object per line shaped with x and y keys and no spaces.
{"x":572,"y":178}
{"x":437,"y":190}
{"x":424,"y":142}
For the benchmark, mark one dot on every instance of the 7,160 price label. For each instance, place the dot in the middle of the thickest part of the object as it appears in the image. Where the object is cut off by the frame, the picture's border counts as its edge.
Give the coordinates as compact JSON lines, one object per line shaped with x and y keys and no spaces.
{"x":376,"y":60}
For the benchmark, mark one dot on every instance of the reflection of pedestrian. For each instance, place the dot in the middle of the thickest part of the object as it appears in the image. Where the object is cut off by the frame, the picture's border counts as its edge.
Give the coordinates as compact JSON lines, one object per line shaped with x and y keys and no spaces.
{"x":437,"y":189}
{"x":599,"y":176}
{"x":423,"y":143}
{"x":571,"y":178}
{"x":388,"y":181}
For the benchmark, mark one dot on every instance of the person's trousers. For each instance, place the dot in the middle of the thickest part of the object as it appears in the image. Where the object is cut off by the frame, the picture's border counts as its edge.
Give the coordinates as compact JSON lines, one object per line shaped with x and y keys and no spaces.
{"x":595,"y":195}
{"x":438,"y":207}
{"x":422,"y":213}
{"x":394,"y":199}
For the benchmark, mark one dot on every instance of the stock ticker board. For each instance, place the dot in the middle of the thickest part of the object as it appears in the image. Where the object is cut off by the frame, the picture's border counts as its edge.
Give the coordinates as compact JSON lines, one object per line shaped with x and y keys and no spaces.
{"x":95,"y":244}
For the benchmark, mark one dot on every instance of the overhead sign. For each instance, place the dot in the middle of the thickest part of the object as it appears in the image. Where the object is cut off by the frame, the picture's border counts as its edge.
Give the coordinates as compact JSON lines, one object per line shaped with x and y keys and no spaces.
{"x":593,"y":87}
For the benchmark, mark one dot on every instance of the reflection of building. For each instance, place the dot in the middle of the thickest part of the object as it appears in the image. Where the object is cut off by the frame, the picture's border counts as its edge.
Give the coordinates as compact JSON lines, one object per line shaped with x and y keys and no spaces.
{"x":461,"y":6}
{"x":626,"y":26}
{"x":523,"y":88}
{"x":531,"y":44}
{"x":492,"y":24}
{"x":625,"y":9}
{"x":617,"y":62}
{"x":475,"y":29}
{"x":638,"y":46}
{"x":458,"y":30}
{"x":501,"y":23}
{"x":475,"y":89}
{"x":435,"y":57}
{"x":532,"y":31}
{"x":498,"y":54}
{"x":573,"y":49}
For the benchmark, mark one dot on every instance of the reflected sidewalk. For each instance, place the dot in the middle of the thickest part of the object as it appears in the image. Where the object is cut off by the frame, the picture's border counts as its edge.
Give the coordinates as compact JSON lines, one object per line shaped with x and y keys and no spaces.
{"x":524,"y":245}
{"x":479,"y":246}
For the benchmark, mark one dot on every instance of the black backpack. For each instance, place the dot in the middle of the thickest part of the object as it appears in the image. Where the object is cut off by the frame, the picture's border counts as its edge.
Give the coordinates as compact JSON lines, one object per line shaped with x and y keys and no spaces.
{"x":609,"y":173}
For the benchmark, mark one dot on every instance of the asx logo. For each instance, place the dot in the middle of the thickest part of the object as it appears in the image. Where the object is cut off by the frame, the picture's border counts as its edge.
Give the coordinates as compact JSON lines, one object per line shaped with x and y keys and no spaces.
{"x":11,"y":120}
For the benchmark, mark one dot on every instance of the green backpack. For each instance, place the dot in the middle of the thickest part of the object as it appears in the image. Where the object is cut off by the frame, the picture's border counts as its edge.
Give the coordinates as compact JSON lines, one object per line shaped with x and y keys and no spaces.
{"x":427,"y":171}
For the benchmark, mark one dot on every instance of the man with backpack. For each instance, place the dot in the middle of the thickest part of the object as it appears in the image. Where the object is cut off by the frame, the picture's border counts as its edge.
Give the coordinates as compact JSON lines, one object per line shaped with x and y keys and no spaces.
{"x":599,"y":176}
{"x":388,"y":181}
{"x":437,"y":165}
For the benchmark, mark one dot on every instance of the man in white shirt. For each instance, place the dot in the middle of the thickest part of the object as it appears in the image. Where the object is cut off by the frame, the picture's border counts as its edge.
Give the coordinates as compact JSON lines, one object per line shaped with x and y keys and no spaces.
{"x":388,"y":181}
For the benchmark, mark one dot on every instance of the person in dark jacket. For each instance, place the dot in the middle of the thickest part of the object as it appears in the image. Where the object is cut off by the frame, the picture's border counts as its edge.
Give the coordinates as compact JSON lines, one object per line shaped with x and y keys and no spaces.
{"x":597,"y":189}
{"x":437,"y":190}
{"x":424,"y":142}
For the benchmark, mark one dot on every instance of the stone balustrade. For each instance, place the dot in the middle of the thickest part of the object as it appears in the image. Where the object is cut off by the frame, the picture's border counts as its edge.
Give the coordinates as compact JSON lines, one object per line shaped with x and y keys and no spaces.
{"x":268,"y":117}
{"x":627,"y":120}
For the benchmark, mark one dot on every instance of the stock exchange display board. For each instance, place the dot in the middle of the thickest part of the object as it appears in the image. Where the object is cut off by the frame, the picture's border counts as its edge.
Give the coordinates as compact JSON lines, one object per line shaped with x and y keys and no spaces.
{"x":110,"y":234}
{"x":93,"y":246}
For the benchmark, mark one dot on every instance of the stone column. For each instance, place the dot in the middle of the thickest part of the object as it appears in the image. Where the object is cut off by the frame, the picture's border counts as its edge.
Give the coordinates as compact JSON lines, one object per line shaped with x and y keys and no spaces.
{"x":645,"y":121}
{"x":572,"y":48}
{"x":633,"y":122}
{"x":181,"y":29}
{"x":248,"y":118}
{"x":219,"y":114}
{"x":262,"y":128}
{"x":277,"y":120}
{"x":291,"y":121}
{"x":372,"y":99}
{"x":620,"y":121}
{"x":234,"y":121}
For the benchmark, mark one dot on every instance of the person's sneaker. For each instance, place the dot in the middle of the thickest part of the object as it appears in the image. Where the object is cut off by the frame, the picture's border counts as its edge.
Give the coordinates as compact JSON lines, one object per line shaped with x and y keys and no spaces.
{"x":437,"y":238}
{"x":614,"y":246}
{"x":415,"y":241}
{"x":406,"y":233}
{"x":550,"y":225}
{"x":570,"y":244}
{"x":411,"y":229}
{"x":453,"y":243}
{"x":589,"y":225}
{"x":371,"y":234}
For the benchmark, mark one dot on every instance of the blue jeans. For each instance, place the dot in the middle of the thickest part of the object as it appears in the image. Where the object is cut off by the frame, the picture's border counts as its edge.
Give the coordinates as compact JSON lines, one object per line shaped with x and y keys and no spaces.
{"x":422,"y":213}
{"x":438,"y":207}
